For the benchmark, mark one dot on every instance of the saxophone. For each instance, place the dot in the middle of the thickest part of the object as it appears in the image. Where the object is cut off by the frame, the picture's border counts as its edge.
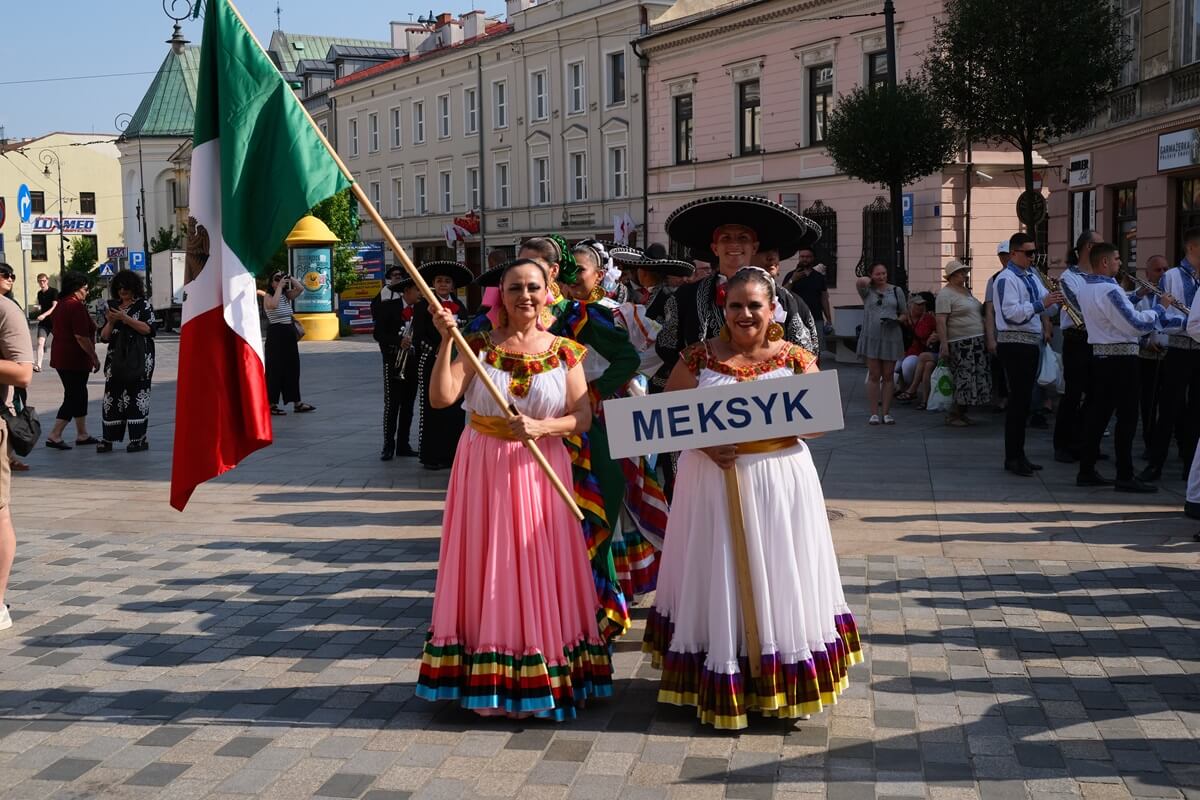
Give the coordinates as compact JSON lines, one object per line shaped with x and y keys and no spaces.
{"x":1075,"y":315}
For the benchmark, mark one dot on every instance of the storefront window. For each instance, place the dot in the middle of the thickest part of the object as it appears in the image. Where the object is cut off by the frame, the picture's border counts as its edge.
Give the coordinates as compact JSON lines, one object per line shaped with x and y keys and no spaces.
{"x":1189,"y":211}
{"x":1125,"y":224}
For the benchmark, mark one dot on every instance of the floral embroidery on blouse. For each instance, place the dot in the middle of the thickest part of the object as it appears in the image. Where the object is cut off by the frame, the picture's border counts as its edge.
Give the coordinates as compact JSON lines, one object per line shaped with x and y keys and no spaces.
{"x":521,"y":367}
{"x":697,"y":357}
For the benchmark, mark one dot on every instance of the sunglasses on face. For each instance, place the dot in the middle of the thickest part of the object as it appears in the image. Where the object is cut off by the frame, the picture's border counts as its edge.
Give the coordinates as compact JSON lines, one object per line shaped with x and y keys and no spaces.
{"x":1028,"y":253}
{"x":8,"y":275}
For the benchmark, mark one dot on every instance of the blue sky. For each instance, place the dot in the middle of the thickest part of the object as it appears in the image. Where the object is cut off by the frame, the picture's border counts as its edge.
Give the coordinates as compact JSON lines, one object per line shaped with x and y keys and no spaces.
{"x":74,"y":38}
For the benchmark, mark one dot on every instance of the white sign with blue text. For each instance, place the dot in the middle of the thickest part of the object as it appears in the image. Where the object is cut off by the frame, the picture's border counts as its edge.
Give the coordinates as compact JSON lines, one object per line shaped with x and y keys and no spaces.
{"x":729,"y":414}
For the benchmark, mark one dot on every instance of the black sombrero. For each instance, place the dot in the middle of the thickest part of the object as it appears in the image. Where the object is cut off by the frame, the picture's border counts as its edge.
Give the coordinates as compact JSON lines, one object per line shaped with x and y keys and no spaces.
{"x":451,"y":269}
{"x":633,"y":258}
{"x":404,"y":282}
{"x":491,"y":277}
{"x":778,"y":227}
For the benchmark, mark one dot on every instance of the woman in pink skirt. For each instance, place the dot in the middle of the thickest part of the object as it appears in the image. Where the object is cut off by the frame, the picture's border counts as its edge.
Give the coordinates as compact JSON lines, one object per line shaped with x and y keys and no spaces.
{"x":514,"y":626}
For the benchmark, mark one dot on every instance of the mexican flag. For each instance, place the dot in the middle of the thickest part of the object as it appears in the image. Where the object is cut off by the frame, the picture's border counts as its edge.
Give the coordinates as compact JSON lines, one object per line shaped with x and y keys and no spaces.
{"x":258,"y":166}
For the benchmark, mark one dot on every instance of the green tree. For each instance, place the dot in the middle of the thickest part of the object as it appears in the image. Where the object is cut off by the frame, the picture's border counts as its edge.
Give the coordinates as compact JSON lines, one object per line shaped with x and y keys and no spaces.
{"x":340,"y":214}
{"x":166,"y":239}
{"x":84,"y":260}
{"x":1025,"y":71}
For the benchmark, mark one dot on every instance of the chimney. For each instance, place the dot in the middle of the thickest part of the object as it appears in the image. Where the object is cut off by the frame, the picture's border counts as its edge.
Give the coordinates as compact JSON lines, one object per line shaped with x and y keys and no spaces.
{"x":399,"y":40}
{"x":473,"y":24}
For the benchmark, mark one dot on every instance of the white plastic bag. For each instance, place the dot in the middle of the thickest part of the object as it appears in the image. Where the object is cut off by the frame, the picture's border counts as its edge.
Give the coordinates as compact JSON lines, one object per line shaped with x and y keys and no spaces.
{"x":941,"y":388}
{"x":1050,"y":367}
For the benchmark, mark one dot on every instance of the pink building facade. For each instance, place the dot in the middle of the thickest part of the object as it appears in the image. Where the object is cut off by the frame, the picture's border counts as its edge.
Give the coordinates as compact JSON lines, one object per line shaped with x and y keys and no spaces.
{"x":738,"y":95}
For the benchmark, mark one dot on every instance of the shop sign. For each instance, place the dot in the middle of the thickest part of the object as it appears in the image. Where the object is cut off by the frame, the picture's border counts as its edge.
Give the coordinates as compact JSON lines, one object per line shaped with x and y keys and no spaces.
{"x":1079,"y":173}
{"x":1179,"y":149}
{"x":49,"y":224}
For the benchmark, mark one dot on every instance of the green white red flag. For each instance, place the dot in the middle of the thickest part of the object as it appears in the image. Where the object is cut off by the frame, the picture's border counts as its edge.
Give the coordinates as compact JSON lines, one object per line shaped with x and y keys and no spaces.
{"x":258,"y":166}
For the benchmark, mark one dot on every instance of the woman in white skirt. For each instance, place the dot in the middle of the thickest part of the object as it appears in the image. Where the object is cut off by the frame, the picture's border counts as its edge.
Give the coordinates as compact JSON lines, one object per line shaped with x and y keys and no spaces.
{"x":807,"y":635}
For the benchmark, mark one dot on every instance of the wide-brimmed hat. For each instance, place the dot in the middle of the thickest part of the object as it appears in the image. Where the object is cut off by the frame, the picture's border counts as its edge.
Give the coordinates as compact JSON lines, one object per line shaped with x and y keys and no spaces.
{"x":632,"y":258}
{"x":778,"y":227}
{"x":491,"y":277}
{"x":451,"y":269}
{"x":954,"y":266}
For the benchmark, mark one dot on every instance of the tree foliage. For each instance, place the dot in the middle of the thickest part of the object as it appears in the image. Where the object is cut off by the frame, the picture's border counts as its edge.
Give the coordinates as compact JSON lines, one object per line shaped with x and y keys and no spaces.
{"x":889,"y":134}
{"x":166,"y":239}
{"x":83,"y":255}
{"x":1025,"y":71}
{"x":340,"y":214}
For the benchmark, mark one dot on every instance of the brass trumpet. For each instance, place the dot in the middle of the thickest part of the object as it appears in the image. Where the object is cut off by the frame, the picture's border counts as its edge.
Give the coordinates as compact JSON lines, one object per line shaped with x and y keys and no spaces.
{"x":405,"y":352}
{"x":1075,"y":315}
{"x":1146,"y":285}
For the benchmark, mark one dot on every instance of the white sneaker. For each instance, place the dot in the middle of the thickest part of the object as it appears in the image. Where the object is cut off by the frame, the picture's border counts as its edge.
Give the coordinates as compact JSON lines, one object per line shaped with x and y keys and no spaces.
{"x":5,"y":618}
{"x":874,"y":420}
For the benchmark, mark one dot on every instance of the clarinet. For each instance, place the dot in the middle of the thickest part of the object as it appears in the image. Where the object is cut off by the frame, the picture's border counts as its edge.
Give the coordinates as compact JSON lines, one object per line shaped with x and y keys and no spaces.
{"x":1146,"y":285}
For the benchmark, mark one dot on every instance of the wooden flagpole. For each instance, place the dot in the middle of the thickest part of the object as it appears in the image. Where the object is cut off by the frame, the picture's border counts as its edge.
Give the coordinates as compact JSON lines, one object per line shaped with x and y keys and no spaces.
{"x":741,"y":561}
{"x":461,"y":343}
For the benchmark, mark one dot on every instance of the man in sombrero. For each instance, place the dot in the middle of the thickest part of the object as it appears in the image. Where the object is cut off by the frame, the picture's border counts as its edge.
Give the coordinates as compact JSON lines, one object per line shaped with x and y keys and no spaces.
{"x":650,"y":271}
{"x":726,"y":231}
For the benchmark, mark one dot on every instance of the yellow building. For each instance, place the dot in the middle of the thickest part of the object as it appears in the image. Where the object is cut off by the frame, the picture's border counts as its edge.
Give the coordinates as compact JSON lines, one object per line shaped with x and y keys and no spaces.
{"x":90,"y":204}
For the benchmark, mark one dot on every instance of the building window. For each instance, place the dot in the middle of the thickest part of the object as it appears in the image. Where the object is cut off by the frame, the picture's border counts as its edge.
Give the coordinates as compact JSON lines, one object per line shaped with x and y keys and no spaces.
{"x":1131,"y":26}
{"x":618,"y":172}
{"x":877,"y":69}
{"x":472,"y":188}
{"x":37,"y":202}
{"x":397,"y":127}
{"x":447,"y":197}
{"x":398,"y":197}
{"x":1125,"y":224}
{"x":1189,"y":27}
{"x":539,"y":105}
{"x":87,"y":203}
{"x":499,"y":104}
{"x":575,"y":90}
{"x":578,"y":176}
{"x":541,"y":181}
{"x":419,"y":201}
{"x":325,"y":130}
{"x":38,"y":251}
{"x":1083,"y":214}
{"x":616,"y":78}
{"x":353,"y":137}
{"x":443,"y":102}
{"x":749,"y":118}
{"x":470,"y":110}
{"x":373,"y":133}
{"x":820,"y":99}
{"x":683,"y":129}
{"x":419,"y":122}
{"x":502,"y":184}
{"x":1189,"y":211}
{"x":825,"y":248}
{"x":375,"y":198}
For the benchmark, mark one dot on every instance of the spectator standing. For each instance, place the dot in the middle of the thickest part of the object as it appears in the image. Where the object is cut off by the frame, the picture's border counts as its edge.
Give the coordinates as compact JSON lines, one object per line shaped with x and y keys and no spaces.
{"x":811,"y":286}
{"x":7,"y":279}
{"x":16,"y":371}
{"x":129,"y":329}
{"x":282,"y":352}
{"x":73,"y":355}
{"x":880,"y":341}
{"x":963,"y":345}
{"x":47,"y":299}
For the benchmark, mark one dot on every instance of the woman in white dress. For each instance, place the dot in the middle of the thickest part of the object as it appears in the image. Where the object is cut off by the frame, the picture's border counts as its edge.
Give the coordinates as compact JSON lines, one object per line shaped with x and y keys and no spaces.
{"x":807,"y":634}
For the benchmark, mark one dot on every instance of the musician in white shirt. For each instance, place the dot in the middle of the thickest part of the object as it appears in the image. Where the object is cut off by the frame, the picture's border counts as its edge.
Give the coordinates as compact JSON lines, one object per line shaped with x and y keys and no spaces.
{"x":1076,"y":354}
{"x":1114,"y":328}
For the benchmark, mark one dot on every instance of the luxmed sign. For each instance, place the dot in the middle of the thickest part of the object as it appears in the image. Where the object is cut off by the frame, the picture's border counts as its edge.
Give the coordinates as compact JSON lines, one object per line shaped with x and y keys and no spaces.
{"x":70,"y":225}
{"x":729,"y":414}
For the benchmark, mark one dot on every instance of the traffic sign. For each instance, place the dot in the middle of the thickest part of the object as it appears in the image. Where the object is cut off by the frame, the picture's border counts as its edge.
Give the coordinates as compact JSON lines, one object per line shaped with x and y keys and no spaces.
{"x":137,"y":260}
{"x":1031,"y":207}
{"x":116,"y":252}
{"x":107,"y":270}
{"x":24,"y":203}
{"x":26,"y":241}
{"x":906,"y":211}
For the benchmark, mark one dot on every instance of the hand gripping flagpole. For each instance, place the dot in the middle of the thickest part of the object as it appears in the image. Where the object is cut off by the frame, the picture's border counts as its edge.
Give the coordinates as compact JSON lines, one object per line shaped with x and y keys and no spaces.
{"x":363,"y":202}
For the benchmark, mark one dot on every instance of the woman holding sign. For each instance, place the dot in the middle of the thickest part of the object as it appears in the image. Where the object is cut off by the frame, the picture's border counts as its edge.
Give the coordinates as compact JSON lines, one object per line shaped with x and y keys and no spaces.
{"x":696,"y":632}
{"x":514,"y":627}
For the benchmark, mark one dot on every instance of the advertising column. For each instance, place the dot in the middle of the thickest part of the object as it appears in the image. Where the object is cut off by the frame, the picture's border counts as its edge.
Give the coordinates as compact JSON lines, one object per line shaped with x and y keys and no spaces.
{"x":310,"y":253}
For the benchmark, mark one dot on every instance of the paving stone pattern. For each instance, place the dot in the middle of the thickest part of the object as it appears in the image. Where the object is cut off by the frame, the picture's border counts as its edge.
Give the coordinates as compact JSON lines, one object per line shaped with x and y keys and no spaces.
{"x":265,"y":644}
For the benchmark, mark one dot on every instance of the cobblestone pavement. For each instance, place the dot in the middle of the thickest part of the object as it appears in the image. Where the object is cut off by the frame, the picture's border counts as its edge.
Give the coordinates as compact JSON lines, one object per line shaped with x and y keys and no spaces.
{"x":1024,"y":639}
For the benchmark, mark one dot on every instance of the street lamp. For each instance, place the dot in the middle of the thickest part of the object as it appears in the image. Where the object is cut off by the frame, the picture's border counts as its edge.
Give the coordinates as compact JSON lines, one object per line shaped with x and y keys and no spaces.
{"x":896,"y":188}
{"x":47,"y":157}
{"x":121,"y":122}
{"x":190,"y":9}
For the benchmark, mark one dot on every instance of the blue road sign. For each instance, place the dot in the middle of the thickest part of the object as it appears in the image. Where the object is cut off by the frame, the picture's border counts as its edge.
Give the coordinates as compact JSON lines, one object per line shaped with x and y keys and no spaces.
{"x":107,"y":270}
{"x":906,"y":209}
{"x":24,"y":203}
{"x":137,"y":260}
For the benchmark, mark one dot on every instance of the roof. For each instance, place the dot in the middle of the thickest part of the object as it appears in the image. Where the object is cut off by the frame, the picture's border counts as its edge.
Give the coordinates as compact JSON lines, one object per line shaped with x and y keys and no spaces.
{"x":312,"y":47}
{"x":493,"y":30}
{"x":686,"y":12}
{"x":357,"y":51}
{"x":306,"y":65}
{"x":169,"y":106}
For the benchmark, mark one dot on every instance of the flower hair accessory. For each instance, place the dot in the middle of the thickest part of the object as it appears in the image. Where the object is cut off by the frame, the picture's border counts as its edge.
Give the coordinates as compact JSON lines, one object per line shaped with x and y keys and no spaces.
{"x":568,"y":269}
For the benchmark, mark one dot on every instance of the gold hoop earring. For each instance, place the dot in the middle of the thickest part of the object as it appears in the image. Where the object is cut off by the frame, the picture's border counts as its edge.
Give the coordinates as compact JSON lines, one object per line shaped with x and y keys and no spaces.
{"x":774,"y":332}
{"x":724,"y":334}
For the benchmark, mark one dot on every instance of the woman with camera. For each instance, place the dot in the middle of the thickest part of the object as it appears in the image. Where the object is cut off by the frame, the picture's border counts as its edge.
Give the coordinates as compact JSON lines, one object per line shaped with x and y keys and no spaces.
{"x":282,"y":353}
{"x":129,"y":329}
{"x":881,"y":341}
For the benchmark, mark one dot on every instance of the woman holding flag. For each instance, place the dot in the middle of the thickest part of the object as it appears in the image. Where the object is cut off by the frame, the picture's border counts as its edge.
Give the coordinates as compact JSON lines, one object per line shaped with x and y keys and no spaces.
{"x":514,"y":627}
{"x":696,"y":632}
{"x":439,"y":428}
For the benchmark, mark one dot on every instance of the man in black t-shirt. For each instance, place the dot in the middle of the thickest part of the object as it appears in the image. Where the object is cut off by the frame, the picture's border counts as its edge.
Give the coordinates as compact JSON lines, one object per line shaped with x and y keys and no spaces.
{"x":47,"y":298}
{"x":810,"y":285}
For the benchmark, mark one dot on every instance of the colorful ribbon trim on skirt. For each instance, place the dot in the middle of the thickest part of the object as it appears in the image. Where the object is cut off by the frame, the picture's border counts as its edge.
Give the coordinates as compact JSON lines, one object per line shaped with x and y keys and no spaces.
{"x":723,"y":700}
{"x":516,"y":684}
{"x":646,"y":509}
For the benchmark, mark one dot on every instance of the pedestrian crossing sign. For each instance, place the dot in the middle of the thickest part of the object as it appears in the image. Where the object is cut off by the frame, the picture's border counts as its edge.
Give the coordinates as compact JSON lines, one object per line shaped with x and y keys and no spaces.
{"x":107,"y":270}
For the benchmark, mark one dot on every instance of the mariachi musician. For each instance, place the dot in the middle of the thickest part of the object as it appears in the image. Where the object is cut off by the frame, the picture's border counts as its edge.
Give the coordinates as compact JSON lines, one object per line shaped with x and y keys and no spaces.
{"x":392,"y":312}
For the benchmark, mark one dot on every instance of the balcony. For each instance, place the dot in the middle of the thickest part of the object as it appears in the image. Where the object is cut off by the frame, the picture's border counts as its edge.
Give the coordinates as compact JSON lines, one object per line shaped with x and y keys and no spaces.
{"x":1185,"y":84}
{"x":1123,"y":105}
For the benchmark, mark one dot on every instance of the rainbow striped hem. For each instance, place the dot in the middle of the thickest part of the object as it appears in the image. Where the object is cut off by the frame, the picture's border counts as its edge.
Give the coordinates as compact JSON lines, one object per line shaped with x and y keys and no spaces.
{"x":723,"y":700}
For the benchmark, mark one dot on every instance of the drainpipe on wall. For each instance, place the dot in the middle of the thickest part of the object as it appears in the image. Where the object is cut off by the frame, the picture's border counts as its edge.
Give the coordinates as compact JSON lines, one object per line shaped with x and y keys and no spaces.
{"x":482,"y":162}
{"x":644,"y":63}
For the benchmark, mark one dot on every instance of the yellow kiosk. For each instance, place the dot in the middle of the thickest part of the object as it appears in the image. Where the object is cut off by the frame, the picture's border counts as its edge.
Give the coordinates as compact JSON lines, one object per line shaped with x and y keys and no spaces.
{"x":310,"y":255}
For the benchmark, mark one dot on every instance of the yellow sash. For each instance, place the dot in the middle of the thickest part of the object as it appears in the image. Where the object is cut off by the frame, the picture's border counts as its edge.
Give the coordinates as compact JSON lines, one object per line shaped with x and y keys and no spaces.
{"x":495,"y":427}
{"x":766,"y":445}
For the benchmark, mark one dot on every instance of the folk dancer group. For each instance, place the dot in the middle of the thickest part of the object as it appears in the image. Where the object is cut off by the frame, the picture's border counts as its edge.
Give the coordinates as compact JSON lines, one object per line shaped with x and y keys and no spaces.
{"x":1129,"y":353}
{"x":528,"y":599}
